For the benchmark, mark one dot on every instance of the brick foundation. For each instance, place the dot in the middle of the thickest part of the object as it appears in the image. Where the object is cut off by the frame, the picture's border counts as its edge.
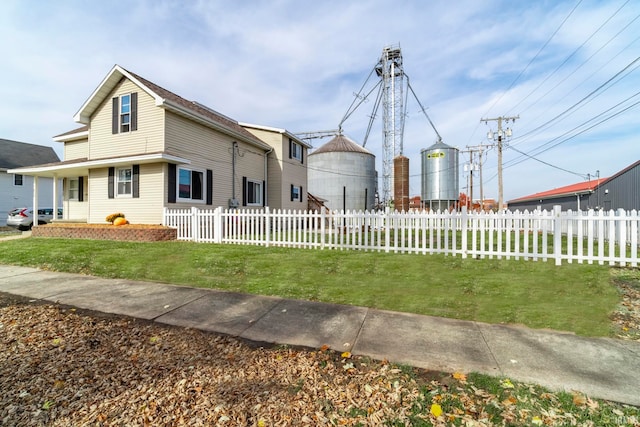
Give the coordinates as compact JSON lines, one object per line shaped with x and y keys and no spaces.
{"x":129,"y":232}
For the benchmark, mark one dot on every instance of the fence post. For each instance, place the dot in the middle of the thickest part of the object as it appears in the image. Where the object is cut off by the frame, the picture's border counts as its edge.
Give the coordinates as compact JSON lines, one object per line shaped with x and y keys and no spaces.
{"x":464,"y":216}
{"x":557,"y":234}
{"x":267,"y":225}
{"x":217,"y":225}
{"x":387,"y":229}
{"x":195,"y":224}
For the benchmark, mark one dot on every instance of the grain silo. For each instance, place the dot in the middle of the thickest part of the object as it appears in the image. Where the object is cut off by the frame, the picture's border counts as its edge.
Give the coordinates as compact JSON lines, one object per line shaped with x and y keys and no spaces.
{"x":343,"y":173}
{"x":401,"y":183}
{"x":440,"y":187}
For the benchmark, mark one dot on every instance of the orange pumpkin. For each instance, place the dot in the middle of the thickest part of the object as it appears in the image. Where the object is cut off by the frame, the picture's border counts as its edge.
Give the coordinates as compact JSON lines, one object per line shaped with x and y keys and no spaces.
{"x":120,"y":221}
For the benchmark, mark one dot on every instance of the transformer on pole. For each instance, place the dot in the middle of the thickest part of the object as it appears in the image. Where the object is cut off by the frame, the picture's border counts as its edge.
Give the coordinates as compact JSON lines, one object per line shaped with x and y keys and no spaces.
{"x":391,"y":71}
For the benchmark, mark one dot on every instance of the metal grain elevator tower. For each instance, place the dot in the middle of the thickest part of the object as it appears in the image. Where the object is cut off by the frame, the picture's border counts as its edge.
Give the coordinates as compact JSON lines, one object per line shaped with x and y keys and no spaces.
{"x":391,"y":71}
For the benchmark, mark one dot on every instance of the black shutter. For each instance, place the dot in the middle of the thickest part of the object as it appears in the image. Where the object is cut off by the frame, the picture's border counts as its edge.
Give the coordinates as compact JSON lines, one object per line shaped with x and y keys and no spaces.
{"x":290,"y":147}
{"x":209,"y":187}
{"x":115,"y":115}
{"x":134,"y":111}
{"x":301,"y":194}
{"x":301,"y":154}
{"x":244,"y":191}
{"x":110,"y":184}
{"x":291,"y":192}
{"x":264,"y":193}
{"x":81,"y":189}
{"x":135,"y":191}
{"x":171,"y":183}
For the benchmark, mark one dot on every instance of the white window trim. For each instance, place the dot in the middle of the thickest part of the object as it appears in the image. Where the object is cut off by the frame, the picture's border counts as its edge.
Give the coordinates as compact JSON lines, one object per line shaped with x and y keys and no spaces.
{"x":15,"y":176}
{"x":117,"y":182}
{"x":296,"y":151}
{"x":122,"y":114}
{"x":204,"y":186}
{"x":260,"y":193}
{"x":299,"y":196}
{"x":77,"y":189}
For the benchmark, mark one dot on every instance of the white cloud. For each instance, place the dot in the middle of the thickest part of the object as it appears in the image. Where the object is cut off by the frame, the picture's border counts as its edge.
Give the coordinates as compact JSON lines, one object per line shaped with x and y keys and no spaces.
{"x":296,"y":65}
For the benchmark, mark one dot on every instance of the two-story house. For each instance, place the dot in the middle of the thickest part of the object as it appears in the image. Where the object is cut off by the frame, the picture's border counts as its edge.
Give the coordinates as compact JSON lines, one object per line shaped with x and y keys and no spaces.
{"x":143,"y":148}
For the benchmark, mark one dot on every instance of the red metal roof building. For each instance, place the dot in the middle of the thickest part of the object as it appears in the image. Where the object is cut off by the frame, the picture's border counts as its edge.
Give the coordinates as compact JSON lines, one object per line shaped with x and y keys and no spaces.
{"x":620,"y":191}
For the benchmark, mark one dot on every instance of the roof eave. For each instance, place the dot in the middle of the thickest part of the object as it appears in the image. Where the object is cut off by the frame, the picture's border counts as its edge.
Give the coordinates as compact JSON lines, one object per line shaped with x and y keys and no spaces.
{"x":276,"y":130}
{"x":71,"y":136}
{"x":68,"y":168}
{"x":179,"y":109}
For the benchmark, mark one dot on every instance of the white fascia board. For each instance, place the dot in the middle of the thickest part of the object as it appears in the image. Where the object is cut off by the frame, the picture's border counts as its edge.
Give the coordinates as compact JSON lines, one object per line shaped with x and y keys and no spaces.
{"x":277,"y":130}
{"x":72,"y":136}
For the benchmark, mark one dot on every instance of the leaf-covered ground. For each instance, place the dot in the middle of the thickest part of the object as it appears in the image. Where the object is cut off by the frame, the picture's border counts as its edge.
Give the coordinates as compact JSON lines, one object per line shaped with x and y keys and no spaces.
{"x":63,"y":367}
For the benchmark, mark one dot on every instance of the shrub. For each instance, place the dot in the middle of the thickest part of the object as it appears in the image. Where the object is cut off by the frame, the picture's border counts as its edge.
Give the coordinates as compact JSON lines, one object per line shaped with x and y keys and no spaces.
{"x":113,"y":216}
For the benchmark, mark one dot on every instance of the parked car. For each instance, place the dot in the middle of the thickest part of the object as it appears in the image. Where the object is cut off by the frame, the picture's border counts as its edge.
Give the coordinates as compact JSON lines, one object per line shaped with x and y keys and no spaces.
{"x":22,"y":218}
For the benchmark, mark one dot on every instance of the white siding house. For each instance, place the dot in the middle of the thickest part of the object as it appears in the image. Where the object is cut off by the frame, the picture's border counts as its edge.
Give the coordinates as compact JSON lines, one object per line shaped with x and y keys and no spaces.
{"x":16,"y":190}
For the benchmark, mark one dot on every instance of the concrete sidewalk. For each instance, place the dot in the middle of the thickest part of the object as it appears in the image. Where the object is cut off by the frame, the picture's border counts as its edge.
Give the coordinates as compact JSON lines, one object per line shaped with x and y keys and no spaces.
{"x":600,"y":367}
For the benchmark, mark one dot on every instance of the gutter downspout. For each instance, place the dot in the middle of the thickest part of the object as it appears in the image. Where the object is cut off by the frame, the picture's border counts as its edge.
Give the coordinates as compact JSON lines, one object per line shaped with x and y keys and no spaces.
{"x":234,"y":147}
{"x":266,"y":175}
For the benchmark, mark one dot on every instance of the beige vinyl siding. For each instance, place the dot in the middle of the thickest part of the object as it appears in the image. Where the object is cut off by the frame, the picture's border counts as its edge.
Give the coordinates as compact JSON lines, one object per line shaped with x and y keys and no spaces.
{"x":74,"y":209}
{"x":147,"y":209}
{"x":76,"y":149}
{"x":210,"y":149}
{"x":283,"y":171}
{"x":147,"y":139}
{"x":294,"y":173}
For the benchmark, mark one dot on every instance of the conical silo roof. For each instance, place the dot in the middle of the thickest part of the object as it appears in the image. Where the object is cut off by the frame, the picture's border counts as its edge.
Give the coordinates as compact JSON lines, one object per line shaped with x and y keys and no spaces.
{"x":439,"y":145}
{"x":341,"y":144}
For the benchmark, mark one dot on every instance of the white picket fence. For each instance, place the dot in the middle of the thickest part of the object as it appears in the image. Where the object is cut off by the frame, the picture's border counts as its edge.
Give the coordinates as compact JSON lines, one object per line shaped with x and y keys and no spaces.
{"x":582,"y":236}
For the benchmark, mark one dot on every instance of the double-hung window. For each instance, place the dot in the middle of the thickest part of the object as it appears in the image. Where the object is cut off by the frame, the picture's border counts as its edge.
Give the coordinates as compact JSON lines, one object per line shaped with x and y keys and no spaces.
{"x":190,"y":184}
{"x":125,"y":113}
{"x":295,"y":193}
{"x":296,"y":151}
{"x":253,"y":193}
{"x":17,"y":179}
{"x":123,"y":182}
{"x":74,"y":185}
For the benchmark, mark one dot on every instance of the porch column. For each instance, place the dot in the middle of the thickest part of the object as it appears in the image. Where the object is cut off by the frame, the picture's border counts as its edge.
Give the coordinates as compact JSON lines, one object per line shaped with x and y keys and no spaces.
{"x":55,"y":197}
{"x":35,"y":201}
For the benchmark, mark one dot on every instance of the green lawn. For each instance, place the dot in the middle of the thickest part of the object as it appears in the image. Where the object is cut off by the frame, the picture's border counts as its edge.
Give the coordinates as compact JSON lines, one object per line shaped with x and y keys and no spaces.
{"x":572,"y":297}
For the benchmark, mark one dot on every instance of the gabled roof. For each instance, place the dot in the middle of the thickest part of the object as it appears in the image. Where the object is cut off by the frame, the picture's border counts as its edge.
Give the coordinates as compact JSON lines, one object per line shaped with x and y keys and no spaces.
{"x":568,"y":190}
{"x":168,"y":100}
{"x":14,"y":154}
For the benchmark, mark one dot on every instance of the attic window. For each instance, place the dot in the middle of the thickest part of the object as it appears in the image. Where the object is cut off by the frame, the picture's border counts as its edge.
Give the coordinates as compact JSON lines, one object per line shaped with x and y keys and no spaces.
{"x":17,"y":179}
{"x":125,"y":113}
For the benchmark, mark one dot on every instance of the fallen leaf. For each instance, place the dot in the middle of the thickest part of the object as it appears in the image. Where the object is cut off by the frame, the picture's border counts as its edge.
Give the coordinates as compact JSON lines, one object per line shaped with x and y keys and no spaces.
{"x":324,"y":347}
{"x":506,"y":383}
{"x":536,"y":421}
{"x":579,"y":399}
{"x":460,"y":376}
{"x":436,"y":410}
{"x":346,"y":355}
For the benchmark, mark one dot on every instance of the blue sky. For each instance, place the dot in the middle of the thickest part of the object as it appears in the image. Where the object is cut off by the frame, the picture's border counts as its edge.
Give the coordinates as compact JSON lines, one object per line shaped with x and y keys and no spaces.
{"x":562,"y":66}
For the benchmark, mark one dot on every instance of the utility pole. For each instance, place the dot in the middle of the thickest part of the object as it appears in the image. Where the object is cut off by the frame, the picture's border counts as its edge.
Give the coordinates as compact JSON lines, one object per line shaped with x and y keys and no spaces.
{"x":500,"y":136}
{"x":472,"y":167}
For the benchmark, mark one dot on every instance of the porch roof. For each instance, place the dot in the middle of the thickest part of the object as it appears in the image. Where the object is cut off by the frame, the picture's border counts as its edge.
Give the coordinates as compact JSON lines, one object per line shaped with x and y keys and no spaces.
{"x":81,"y":167}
